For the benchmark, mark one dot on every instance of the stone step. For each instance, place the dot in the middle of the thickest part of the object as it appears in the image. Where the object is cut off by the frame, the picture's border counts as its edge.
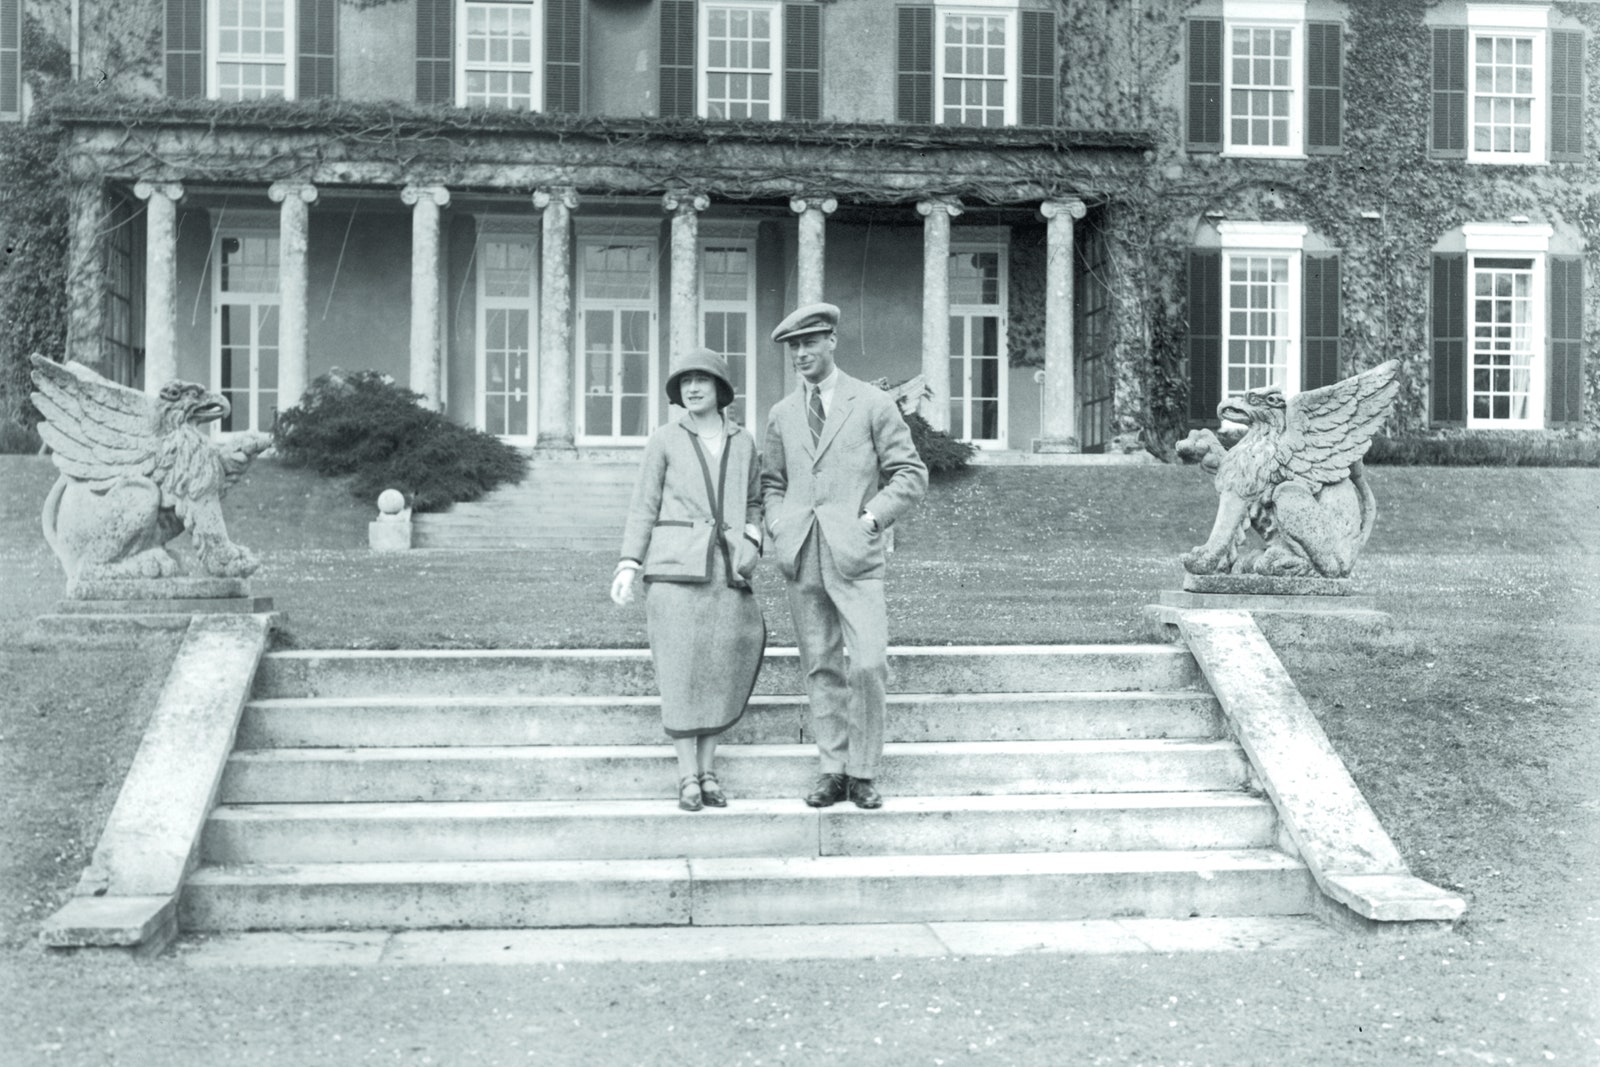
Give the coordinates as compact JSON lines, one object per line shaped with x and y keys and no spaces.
{"x":628,"y":672}
{"x":358,"y":722}
{"x":747,"y":891}
{"x":655,"y":829}
{"x":274,"y":776}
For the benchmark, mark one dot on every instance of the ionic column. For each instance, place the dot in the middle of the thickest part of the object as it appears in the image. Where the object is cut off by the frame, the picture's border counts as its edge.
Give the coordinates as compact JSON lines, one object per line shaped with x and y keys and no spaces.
{"x":160,"y":281}
{"x":936,"y":216}
{"x":86,"y":273}
{"x":294,"y":222}
{"x":1060,"y":430}
{"x":809,"y":272}
{"x":685,"y":270}
{"x":555,"y":317}
{"x":425,"y":201}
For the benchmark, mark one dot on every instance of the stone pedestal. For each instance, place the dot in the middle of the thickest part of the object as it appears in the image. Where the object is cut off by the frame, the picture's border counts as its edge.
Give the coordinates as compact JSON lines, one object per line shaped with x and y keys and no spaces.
{"x":1290,"y":611}
{"x":390,"y":534}
{"x":120,"y":608}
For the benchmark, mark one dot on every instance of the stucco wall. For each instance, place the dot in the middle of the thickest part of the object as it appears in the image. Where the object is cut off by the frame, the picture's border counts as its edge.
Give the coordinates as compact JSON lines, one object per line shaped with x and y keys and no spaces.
{"x":377,"y":51}
{"x":623,"y":45}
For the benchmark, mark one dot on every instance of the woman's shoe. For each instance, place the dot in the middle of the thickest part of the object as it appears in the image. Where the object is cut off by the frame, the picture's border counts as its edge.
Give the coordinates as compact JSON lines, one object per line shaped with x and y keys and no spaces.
{"x":711,"y":790}
{"x":689,"y":795}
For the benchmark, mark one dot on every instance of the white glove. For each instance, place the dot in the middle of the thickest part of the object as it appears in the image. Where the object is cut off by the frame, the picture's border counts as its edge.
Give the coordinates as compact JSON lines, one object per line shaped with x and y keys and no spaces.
{"x":622,"y":587}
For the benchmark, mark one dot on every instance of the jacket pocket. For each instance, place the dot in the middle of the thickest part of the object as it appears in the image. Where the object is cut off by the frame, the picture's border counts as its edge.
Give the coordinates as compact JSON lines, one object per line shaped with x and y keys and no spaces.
{"x":678,"y":550}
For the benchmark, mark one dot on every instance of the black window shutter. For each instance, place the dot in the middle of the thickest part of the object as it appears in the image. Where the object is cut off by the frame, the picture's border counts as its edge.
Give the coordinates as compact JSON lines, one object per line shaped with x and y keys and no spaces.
{"x":436,"y":45}
{"x":802,"y":62}
{"x":1205,"y":335}
{"x":1319,"y":364}
{"x":11,"y":58}
{"x":1565,"y":388}
{"x":1449,"y":134}
{"x":1449,"y":336}
{"x":319,"y":25}
{"x":913,"y":100}
{"x":1324,"y":95}
{"x":1205,"y":85}
{"x":1566,"y":97}
{"x":186,"y":48}
{"x":563,"y":57}
{"x":678,"y":33}
{"x":1036,"y":97}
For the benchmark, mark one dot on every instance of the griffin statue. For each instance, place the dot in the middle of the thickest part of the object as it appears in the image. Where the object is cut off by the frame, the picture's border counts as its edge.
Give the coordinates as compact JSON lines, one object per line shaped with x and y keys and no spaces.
{"x":1295,"y":476}
{"x":136,"y":472}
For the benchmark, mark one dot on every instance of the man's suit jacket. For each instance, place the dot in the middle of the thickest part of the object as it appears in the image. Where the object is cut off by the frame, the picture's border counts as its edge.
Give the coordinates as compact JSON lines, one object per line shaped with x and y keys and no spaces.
{"x":864,"y":445}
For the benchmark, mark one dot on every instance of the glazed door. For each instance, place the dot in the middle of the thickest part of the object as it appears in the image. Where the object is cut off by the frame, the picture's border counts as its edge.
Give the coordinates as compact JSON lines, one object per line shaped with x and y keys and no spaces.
{"x":508,"y":313}
{"x":617,"y":387}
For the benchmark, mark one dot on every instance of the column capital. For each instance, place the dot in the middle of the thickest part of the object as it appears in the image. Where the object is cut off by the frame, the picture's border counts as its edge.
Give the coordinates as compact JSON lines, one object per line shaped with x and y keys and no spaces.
{"x":1071,"y":207}
{"x":278,"y":192}
{"x":950,"y":205}
{"x":820,"y":201}
{"x":565,"y":195}
{"x":683,"y":201}
{"x":414,"y":194}
{"x":145,"y":189}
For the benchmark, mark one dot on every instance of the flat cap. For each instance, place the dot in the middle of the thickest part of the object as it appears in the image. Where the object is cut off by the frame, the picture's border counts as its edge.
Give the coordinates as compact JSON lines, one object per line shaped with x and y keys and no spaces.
{"x":813,"y":318}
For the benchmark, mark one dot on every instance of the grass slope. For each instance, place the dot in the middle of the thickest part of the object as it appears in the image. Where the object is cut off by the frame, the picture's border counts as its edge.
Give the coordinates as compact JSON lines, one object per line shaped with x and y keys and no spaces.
{"x":1479,"y":749}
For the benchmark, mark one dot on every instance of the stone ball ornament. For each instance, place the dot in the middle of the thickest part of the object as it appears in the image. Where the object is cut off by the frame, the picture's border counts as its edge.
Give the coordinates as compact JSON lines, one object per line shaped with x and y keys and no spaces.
{"x":391,"y":502}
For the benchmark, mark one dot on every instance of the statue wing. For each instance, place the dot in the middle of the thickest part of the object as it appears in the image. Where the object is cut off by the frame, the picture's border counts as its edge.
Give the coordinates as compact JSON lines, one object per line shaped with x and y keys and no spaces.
{"x":1328,"y":429}
{"x":99,"y":431}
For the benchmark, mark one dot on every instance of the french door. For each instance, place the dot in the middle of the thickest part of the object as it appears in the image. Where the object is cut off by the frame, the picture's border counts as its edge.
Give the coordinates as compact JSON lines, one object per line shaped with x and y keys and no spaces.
{"x":244,"y":328}
{"x":617,"y":388}
{"x":508,"y":314}
{"x":978,"y":393}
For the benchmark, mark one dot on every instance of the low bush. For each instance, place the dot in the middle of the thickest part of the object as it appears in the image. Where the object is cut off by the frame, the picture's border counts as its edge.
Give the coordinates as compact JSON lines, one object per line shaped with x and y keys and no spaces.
{"x":939,"y":451}
{"x":18,"y":440}
{"x":1492,"y":449}
{"x":362,"y":424}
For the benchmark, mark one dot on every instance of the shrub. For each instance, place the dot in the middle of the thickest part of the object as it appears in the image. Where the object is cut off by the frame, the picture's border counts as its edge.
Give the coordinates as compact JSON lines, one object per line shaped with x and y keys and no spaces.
{"x":17,"y":439}
{"x":941,"y":452}
{"x":362,"y":424}
{"x":1492,"y":449}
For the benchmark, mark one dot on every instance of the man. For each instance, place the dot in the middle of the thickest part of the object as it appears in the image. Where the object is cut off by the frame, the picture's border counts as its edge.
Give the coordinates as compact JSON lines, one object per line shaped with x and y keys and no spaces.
{"x":830,"y":446}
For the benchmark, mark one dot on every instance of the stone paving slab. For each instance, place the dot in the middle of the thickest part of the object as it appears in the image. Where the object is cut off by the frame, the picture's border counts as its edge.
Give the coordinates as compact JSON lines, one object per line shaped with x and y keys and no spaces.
{"x":673,"y":944}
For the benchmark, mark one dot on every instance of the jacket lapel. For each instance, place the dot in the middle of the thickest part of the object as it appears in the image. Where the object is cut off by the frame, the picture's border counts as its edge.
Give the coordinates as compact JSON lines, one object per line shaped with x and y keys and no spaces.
{"x":844,"y":397}
{"x":802,"y":426}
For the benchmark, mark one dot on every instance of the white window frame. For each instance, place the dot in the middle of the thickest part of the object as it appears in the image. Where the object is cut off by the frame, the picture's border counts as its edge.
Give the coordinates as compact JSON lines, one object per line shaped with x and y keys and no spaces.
{"x":244,"y":224}
{"x":742,"y":237}
{"x":1512,"y":241}
{"x":998,"y":242}
{"x":214,"y":57}
{"x":1269,"y":15}
{"x":507,"y":230}
{"x":1507,"y":20}
{"x":1287,"y":239}
{"x":1006,"y":9}
{"x":774,"y":10}
{"x":535,"y":66}
{"x":644,"y":234}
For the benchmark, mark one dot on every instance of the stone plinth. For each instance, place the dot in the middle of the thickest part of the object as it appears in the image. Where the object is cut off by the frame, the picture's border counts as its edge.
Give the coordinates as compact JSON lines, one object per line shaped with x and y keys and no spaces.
{"x":1266,"y":585}
{"x":385,"y":535}
{"x":1325,"y":611}
{"x":119,"y":609}
{"x":158,"y":589}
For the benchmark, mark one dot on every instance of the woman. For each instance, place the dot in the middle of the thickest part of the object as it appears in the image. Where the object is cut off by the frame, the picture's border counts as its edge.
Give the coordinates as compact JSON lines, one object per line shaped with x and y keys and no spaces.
{"x":694,"y":531}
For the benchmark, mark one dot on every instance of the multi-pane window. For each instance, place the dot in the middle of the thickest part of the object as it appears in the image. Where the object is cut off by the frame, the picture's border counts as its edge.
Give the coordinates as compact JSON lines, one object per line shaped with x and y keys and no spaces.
{"x":119,"y":291}
{"x":1261,"y":96}
{"x":1503,"y":94}
{"x":977,"y":292}
{"x":498,"y":46}
{"x":1257,"y":314}
{"x":245,"y":304}
{"x":727,"y":313}
{"x":741,"y":66}
{"x":507,"y":320}
{"x":252,"y":46}
{"x":1505,"y":342}
{"x":975,"y":65}
{"x":616,"y":310}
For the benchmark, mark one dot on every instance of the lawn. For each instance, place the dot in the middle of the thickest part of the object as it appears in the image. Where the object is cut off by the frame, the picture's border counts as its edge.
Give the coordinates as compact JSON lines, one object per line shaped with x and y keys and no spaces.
{"x":1478,"y":745}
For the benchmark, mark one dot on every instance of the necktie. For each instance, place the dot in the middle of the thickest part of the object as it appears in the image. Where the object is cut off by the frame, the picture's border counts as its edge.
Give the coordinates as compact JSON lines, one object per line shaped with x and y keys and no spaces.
{"x":814,"y":415}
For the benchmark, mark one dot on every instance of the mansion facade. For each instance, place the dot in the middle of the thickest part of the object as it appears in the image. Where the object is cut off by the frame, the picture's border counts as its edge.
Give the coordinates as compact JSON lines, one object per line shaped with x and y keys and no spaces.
{"x":523,"y":209}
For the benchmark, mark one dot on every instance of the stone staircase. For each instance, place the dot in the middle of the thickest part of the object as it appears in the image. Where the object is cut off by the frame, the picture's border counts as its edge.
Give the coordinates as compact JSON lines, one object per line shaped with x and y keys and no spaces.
{"x":579,"y":503}
{"x":403,"y":790}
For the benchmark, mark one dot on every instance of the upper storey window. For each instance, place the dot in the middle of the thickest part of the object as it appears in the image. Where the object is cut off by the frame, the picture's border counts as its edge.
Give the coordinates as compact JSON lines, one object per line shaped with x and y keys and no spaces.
{"x":741,"y":60}
{"x":983,"y":63}
{"x":520,"y":55}
{"x":742,"y":73}
{"x":498,"y":45}
{"x":1262,"y":81}
{"x":251,"y":49}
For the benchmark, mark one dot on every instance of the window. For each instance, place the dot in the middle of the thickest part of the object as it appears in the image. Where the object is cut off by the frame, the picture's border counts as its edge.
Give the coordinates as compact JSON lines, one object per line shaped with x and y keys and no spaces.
{"x":1505,"y":331}
{"x":727,"y":313}
{"x":985,"y":63}
{"x":10,"y":60}
{"x":251,"y":49}
{"x":121,"y":314}
{"x":617,"y":329}
{"x":978,"y":360}
{"x":741,"y":70}
{"x":245,"y":323}
{"x":507,"y":330}
{"x":1264,"y":82}
{"x":1507,"y":88}
{"x":496,"y":50}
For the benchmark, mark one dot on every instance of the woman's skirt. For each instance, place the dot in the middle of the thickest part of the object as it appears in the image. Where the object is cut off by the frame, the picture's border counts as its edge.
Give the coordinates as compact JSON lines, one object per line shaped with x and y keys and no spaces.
{"x":707,"y":641}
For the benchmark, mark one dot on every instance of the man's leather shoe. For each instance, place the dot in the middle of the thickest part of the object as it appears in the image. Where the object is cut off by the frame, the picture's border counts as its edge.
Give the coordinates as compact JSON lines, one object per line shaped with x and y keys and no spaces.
{"x":864,"y":795}
{"x":831,"y":788}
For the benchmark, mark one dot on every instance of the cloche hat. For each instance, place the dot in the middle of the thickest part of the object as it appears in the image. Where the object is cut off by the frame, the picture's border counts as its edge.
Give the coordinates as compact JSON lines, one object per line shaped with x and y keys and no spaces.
{"x":705,"y":361}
